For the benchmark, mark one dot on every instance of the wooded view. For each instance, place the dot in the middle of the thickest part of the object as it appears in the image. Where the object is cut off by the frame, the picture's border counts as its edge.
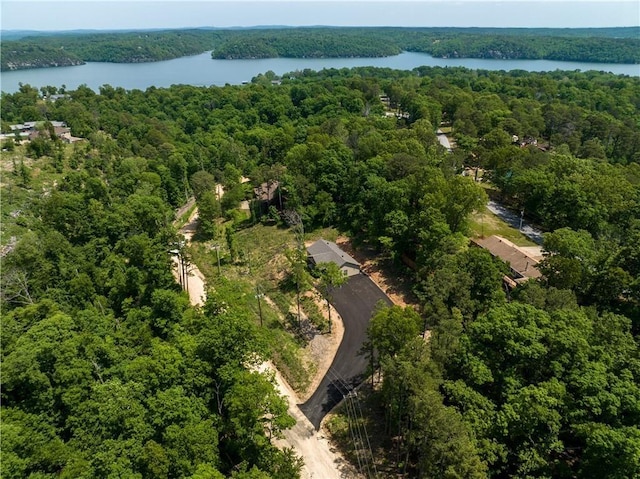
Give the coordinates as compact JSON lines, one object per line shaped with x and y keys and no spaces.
{"x":107,"y":370}
{"x":611,"y":45}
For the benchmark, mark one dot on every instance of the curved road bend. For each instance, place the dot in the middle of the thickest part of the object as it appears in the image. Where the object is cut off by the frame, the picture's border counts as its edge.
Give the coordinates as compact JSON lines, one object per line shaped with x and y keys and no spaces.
{"x":355,"y":301}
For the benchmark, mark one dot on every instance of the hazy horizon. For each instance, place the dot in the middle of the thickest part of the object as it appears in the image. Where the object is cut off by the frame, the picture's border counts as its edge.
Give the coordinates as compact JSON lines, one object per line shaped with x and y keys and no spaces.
{"x":273,"y":26}
{"x":60,"y":15}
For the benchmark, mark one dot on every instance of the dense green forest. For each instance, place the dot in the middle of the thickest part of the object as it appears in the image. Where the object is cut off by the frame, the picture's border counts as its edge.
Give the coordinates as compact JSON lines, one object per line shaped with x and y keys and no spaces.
{"x":307,"y":43}
{"x":130,"y":47}
{"x":609,"y":45}
{"x":443,"y":43}
{"x":108,"y":371}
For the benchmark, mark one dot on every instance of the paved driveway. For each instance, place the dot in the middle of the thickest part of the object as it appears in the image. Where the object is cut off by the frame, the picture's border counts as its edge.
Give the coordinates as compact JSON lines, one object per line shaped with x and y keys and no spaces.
{"x":355,"y":301}
{"x":513,"y":220}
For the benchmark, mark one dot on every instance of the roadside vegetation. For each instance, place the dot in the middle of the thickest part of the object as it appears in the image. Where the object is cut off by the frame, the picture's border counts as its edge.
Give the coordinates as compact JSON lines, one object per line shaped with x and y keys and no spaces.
{"x":107,"y":370}
{"x":484,"y":223}
{"x":256,"y":267}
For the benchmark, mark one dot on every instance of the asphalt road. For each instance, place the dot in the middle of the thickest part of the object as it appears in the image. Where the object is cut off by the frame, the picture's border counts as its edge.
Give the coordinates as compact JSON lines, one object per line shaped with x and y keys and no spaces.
{"x":355,"y":301}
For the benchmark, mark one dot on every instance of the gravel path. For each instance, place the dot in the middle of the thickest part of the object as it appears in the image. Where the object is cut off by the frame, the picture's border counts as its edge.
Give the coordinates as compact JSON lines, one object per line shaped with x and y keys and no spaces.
{"x":444,"y":141}
{"x":321,"y":461}
{"x":195,"y":279}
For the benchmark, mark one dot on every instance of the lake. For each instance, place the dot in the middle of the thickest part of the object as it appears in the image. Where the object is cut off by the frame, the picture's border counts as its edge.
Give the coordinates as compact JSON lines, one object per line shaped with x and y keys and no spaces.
{"x":201,"y":70}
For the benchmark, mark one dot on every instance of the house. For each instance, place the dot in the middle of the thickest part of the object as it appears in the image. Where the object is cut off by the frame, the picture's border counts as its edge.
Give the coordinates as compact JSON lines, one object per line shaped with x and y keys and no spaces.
{"x":323,"y":251}
{"x":30,"y":130}
{"x":266,"y":191}
{"x":59,"y":131}
{"x":522,"y":261}
{"x":30,"y":126}
{"x":57,"y":97}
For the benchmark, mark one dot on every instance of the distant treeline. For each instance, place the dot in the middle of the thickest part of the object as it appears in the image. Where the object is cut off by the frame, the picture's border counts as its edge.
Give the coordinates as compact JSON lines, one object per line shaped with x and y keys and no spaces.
{"x":131,"y":47}
{"x":561,"y":44}
{"x":610,"y":45}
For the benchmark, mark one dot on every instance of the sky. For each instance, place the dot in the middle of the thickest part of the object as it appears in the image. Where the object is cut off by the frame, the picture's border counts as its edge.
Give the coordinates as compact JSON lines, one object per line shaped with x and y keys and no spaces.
{"x":141,"y":14}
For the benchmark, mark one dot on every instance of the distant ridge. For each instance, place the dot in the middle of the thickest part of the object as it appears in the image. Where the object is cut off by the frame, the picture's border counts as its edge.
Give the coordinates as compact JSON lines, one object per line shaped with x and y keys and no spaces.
{"x":609,"y":32}
{"x":23,"y":49}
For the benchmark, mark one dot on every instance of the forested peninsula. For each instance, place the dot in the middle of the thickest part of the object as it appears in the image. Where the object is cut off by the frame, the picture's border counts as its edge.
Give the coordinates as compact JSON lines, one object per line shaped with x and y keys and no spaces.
{"x":108,"y":371}
{"x":607,"y":45}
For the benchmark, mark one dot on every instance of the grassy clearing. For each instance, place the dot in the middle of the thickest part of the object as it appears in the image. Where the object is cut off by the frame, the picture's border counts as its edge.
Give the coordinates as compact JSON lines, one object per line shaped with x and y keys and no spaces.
{"x":330,"y":234}
{"x":288,"y":357}
{"x":16,"y":195}
{"x":485,"y":223}
{"x":186,"y":215}
{"x":263,"y":248}
{"x":261,"y":267}
{"x":313,"y":312}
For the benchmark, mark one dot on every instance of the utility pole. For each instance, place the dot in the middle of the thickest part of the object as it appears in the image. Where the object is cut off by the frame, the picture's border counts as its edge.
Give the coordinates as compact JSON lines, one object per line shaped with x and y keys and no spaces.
{"x":521,"y":219}
{"x":185,"y":263}
{"x":258,"y":296}
{"x":217,"y":248}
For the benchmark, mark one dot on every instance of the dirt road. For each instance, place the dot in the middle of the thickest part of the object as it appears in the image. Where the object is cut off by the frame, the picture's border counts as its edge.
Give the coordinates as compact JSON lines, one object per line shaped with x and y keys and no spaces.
{"x":195,"y":279}
{"x":320,"y":460}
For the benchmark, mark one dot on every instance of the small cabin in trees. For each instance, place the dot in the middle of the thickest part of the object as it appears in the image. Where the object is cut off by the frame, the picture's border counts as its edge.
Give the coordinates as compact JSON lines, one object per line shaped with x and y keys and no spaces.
{"x":266,"y":191}
{"x":266,"y":195}
{"x":323,"y":251}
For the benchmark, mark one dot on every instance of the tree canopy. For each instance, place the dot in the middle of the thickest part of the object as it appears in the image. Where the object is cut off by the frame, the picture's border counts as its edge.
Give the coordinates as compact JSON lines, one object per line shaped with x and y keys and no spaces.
{"x":108,"y":371}
{"x":608,"y":45}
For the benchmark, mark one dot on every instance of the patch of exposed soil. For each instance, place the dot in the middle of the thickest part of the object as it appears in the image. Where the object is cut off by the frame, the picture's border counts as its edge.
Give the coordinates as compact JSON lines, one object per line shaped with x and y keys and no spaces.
{"x":381,"y":273}
{"x":322,"y":348}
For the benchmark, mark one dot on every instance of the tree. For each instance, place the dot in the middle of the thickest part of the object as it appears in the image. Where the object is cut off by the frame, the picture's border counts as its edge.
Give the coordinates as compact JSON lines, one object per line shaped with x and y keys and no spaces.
{"x":202,"y":182}
{"x":432,"y":440}
{"x":255,"y":407}
{"x":208,"y":212}
{"x":330,"y":277}
{"x":569,"y":259}
{"x":391,"y":328}
{"x":610,"y":452}
{"x":298,"y":272}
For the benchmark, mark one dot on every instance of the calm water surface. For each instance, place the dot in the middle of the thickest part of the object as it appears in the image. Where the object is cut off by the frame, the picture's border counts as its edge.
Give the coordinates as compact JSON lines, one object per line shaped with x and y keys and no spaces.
{"x":201,"y":70}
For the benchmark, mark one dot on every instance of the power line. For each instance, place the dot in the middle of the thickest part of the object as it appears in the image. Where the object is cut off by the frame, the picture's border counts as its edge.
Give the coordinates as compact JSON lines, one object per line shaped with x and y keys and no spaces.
{"x":357,"y":427}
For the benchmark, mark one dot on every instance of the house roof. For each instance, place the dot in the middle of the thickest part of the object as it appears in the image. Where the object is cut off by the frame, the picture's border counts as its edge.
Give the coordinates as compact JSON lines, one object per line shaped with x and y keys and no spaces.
{"x":323,"y":251}
{"x":266,"y":191}
{"x":30,"y":125}
{"x":521,"y":262}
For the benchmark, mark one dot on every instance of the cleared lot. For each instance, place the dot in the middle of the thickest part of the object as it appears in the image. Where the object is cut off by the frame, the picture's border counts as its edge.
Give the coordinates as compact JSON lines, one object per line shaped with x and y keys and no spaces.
{"x":355,"y":301}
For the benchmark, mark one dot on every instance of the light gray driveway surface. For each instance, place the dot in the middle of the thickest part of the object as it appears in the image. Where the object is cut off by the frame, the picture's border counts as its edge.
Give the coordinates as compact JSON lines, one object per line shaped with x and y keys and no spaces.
{"x":513,"y":219}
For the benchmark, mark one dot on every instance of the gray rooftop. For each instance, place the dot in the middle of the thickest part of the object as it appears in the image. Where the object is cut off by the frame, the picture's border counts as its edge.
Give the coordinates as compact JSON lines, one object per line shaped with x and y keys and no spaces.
{"x":323,"y":251}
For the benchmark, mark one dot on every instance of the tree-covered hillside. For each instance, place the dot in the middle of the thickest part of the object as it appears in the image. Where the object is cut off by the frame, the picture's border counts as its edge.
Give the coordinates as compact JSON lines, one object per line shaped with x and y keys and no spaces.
{"x":133,"y":47}
{"x":609,"y":45}
{"x":438,"y":42}
{"x":107,"y":370}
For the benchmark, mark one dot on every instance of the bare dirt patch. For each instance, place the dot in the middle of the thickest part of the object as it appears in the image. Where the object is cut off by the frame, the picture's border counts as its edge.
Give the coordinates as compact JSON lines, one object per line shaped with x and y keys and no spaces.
{"x":322,"y":348}
{"x":195,"y":279}
{"x":321,"y":460}
{"x":381,"y":272}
